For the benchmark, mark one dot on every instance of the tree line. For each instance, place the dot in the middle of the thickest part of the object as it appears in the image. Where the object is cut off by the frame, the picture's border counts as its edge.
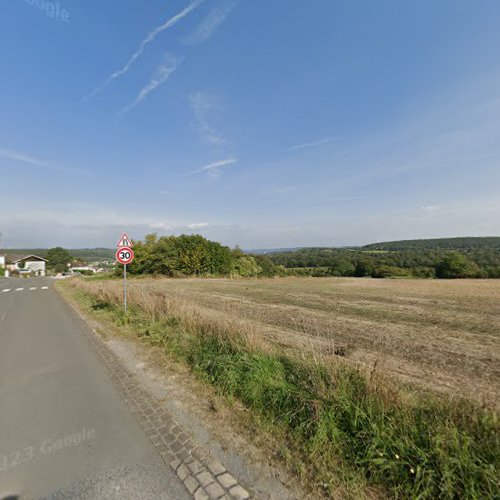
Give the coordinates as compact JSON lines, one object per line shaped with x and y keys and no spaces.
{"x":194,"y":255}
{"x":416,"y":263}
{"x":460,"y":244}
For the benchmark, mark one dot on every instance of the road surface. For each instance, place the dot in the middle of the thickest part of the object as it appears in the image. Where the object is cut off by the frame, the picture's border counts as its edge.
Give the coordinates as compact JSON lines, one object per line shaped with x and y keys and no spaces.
{"x":64,"y":430}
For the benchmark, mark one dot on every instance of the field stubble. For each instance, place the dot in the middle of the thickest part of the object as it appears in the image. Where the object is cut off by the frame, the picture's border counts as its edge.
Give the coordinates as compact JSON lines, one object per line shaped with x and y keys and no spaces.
{"x":438,"y":335}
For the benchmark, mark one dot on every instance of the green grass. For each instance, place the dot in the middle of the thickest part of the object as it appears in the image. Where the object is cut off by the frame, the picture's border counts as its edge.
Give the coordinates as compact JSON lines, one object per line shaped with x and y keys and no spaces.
{"x":344,"y":423}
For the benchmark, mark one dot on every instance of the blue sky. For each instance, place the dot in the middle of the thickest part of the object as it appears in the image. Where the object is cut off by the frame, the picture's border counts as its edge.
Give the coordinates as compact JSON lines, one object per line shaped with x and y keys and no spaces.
{"x":260,"y":123}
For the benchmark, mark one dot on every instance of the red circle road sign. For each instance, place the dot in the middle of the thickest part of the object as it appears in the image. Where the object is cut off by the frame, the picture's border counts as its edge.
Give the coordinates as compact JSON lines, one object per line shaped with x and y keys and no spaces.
{"x":125,"y":255}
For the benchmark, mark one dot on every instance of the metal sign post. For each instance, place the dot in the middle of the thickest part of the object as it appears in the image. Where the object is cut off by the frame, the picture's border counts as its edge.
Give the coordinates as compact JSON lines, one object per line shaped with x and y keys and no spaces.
{"x":124,"y":255}
{"x":125,"y":287}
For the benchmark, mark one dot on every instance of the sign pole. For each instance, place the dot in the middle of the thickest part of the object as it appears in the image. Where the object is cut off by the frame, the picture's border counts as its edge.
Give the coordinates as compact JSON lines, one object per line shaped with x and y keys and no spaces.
{"x":124,"y":256}
{"x":125,"y":287}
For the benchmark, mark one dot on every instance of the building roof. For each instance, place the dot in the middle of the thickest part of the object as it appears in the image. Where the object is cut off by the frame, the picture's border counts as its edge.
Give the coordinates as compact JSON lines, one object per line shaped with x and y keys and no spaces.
{"x":30,"y":257}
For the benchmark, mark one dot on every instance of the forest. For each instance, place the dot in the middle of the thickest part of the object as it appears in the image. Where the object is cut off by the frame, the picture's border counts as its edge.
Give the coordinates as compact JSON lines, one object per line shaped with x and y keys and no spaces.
{"x":439,"y":258}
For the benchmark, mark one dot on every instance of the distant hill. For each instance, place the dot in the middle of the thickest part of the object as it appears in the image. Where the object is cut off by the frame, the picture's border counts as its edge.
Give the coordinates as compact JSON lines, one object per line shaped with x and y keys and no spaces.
{"x":462,"y":243}
{"x":478,"y":257}
{"x":263,"y":251}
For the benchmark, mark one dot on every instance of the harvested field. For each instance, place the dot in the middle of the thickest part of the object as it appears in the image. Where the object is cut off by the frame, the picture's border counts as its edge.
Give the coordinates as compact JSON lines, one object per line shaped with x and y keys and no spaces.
{"x":283,"y":347}
{"x":437,"y":334}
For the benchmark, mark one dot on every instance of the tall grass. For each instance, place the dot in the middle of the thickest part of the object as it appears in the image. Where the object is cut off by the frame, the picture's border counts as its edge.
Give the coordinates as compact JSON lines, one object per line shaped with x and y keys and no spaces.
{"x":412,"y":447}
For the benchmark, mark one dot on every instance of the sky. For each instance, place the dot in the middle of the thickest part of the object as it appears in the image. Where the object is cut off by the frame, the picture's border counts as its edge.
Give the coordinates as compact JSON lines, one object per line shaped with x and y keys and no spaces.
{"x":262,"y":123}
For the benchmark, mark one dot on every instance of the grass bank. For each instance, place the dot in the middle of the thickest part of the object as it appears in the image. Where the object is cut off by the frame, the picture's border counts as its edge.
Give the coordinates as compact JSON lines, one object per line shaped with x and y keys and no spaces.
{"x":347,"y":425}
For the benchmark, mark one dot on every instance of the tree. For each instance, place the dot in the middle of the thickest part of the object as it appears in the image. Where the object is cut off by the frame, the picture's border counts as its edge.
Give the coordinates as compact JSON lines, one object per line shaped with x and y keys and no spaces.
{"x":267,"y":266}
{"x":58,"y":259}
{"x":243,"y":264}
{"x":341,"y":266}
{"x":364,"y":267}
{"x":185,"y":254}
{"x":456,"y":265}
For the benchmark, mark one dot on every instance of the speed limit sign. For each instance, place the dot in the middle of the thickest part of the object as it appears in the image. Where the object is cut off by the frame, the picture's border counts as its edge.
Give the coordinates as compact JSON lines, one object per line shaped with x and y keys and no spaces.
{"x":125,"y":255}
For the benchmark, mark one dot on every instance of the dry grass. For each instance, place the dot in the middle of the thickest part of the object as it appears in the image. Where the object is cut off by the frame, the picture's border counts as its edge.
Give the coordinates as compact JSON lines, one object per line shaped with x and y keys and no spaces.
{"x":439,"y":335}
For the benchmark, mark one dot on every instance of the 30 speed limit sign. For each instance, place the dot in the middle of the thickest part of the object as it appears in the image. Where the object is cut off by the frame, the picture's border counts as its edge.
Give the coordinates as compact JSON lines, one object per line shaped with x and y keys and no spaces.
{"x":125,"y":255}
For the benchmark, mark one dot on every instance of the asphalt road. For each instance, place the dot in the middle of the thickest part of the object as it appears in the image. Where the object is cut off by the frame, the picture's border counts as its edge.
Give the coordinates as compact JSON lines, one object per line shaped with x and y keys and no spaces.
{"x":64,"y":430}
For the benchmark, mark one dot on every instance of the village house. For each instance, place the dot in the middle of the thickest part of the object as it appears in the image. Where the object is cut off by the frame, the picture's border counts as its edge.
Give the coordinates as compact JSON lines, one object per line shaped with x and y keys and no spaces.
{"x":31,"y":264}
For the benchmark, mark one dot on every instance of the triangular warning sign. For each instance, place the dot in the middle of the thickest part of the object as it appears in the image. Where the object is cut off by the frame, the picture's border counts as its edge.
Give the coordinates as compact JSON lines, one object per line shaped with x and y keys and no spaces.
{"x":124,"y":241}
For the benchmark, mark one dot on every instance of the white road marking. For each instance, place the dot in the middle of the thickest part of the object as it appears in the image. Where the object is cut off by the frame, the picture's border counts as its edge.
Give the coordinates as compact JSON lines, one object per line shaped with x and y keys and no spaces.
{"x":19,"y":289}
{"x":45,"y":287}
{"x":33,"y":288}
{"x":6,"y":290}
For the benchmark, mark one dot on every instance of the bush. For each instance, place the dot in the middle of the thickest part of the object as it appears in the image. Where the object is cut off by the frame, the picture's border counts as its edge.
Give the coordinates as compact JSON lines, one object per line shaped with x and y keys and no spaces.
{"x":390,"y":272}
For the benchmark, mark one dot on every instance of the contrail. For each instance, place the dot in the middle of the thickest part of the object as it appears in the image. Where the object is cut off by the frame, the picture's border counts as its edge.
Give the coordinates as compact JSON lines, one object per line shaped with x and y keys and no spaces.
{"x":168,"y":24}
{"x":215,"y":166}
{"x":209,"y":25}
{"x":163,"y":71}
{"x":314,"y":143}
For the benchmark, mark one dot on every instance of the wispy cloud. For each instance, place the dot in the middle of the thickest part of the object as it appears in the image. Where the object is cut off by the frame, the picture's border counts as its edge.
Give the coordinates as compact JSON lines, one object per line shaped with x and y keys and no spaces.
{"x":26,"y":159}
{"x":210,"y":24}
{"x":214,"y":168}
{"x":313,"y":144}
{"x":162,"y":73}
{"x":149,"y":38}
{"x":9,"y":154}
{"x":430,"y":208}
{"x":202,"y":104}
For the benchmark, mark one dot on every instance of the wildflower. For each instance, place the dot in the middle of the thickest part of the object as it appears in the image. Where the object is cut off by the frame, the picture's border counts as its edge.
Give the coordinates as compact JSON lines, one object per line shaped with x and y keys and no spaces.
{"x":412,"y":470}
{"x":397,"y":456}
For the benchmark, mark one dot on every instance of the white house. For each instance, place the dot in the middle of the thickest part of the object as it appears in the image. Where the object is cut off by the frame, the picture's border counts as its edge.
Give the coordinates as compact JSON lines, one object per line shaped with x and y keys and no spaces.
{"x":31,"y":263}
{"x":2,"y":261}
{"x":79,"y":269}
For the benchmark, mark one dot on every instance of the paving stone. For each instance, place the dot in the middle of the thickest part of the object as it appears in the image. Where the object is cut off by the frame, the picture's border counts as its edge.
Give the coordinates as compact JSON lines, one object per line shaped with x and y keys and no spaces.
{"x":196,"y":466}
{"x":205,"y":478}
{"x":184,"y":455}
{"x":215,"y":466}
{"x":175,"y":446}
{"x":182,"y":472}
{"x":200,"y":494}
{"x":214,"y":491}
{"x":191,"y":483}
{"x":175,"y":464}
{"x":226,"y":480}
{"x":239,"y":493}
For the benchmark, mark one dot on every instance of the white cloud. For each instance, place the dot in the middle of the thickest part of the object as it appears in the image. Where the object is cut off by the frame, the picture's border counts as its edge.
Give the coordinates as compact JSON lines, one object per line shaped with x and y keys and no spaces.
{"x":210,"y":24}
{"x":313,"y":144}
{"x":163,"y":72}
{"x":202,"y":104}
{"x":198,"y":225}
{"x":149,"y":38}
